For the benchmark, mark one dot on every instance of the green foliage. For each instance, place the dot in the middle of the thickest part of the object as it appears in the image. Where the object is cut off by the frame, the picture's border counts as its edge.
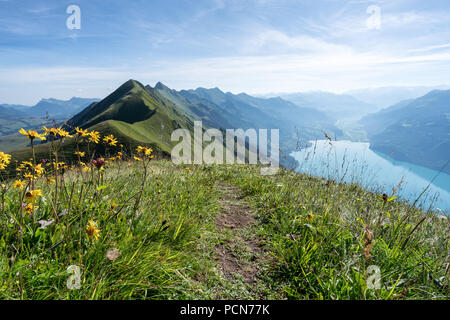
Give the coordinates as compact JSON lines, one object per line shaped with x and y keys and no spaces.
{"x":155,"y":241}
{"x":316,"y":231}
{"x":324,"y":236}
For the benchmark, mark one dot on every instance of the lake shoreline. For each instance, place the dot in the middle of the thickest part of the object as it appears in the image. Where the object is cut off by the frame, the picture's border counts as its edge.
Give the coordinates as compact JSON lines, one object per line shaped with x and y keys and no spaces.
{"x":356,"y":162}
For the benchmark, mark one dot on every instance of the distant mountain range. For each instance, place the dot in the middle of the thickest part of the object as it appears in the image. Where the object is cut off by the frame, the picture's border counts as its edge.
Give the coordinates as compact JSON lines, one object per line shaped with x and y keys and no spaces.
{"x":335,"y":106}
{"x":218,"y":109}
{"x":10,"y":112}
{"x":138,"y":114}
{"x":54,"y":108}
{"x":384,"y":97}
{"x":415,"y":130}
{"x":14,"y":117}
{"x":12,"y":120}
{"x":146,"y":114}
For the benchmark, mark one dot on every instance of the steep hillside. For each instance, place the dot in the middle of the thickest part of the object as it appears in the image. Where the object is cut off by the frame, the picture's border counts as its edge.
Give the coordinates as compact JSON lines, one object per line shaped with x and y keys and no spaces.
{"x":297,"y":125}
{"x":228,"y":111}
{"x":135,"y":112}
{"x":139,"y":115}
{"x":416,"y":131}
{"x":196,"y":107}
{"x":238,"y":111}
{"x":377,"y":122}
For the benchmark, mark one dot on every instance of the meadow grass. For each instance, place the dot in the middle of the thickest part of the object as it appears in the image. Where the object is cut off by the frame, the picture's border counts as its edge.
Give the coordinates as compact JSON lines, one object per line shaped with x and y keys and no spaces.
{"x":324,"y":237}
{"x":140,"y":228}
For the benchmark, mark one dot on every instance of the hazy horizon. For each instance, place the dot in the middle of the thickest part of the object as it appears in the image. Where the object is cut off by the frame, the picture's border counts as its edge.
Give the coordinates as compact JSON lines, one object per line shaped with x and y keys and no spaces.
{"x":262,"y":94}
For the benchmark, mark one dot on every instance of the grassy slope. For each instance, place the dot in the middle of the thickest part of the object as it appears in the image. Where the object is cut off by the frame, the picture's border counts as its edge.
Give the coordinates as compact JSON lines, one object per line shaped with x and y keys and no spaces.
{"x":132,"y":114}
{"x":414,"y":131}
{"x":12,"y":142}
{"x":313,"y":258}
{"x":9,"y":126}
{"x":128,"y":135}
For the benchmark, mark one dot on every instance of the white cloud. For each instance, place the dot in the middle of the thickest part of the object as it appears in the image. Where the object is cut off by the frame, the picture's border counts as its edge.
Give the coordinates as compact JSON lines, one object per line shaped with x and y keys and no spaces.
{"x":431,"y":48}
{"x":327,"y":70}
{"x":269,"y":40}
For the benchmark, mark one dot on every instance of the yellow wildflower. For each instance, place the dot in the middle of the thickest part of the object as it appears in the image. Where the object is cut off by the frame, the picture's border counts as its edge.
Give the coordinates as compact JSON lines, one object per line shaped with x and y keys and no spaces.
{"x":29,"y":176}
{"x":52,"y":131}
{"x":31,"y":195}
{"x":92,"y":230}
{"x":30,"y":208}
{"x":110,"y":140}
{"x":81,"y":132}
{"x":32,"y":134}
{"x":63,"y":133}
{"x":94,"y":136}
{"x":5,"y":158}
{"x":60,"y":165}
{"x":144,"y":150}
{"x":50,"y":180}
{"x":19,"y":184}
{"x":39,"y":170}
{"x":80,"y":154}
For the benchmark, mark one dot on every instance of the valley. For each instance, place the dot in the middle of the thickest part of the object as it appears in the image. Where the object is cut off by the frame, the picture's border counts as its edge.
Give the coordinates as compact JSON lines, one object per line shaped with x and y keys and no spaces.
{"x":207,"y":155}
{"x":140,"y":114}
{"x":103,"y":195}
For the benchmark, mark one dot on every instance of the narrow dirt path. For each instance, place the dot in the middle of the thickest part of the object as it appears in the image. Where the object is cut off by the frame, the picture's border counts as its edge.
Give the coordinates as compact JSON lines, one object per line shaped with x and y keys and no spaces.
{"x":240,"y":252}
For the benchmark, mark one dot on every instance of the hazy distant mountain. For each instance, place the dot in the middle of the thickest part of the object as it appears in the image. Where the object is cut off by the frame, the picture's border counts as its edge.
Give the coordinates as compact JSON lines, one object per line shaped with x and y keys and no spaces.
{"x":14,"y":117}
{"x":375,"y":123}
{"x":387,"y":96}
{"x":55,"y":108}
{"x":145,"y":115}
{"x":198,"y":108}
{"x":289,"y":112}
{"x":336,"y":106}
{"x":9,"y":112}
{"x":416,"y":131}
{"x":11,"y":120}
{"x":271,"y":112}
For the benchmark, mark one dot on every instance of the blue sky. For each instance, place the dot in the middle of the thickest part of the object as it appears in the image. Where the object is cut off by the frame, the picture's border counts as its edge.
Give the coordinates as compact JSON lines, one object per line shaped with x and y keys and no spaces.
{"x":253,"y":46}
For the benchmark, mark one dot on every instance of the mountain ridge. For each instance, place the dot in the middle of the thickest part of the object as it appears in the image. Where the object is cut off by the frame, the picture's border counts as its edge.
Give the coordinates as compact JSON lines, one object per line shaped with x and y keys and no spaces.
{"x":53,"y":107}
{"x":416,"y":131}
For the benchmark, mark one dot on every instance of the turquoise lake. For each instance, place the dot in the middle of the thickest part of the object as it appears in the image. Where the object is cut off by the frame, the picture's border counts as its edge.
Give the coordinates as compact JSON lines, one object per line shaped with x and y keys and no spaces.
{"x":348,"y":161}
